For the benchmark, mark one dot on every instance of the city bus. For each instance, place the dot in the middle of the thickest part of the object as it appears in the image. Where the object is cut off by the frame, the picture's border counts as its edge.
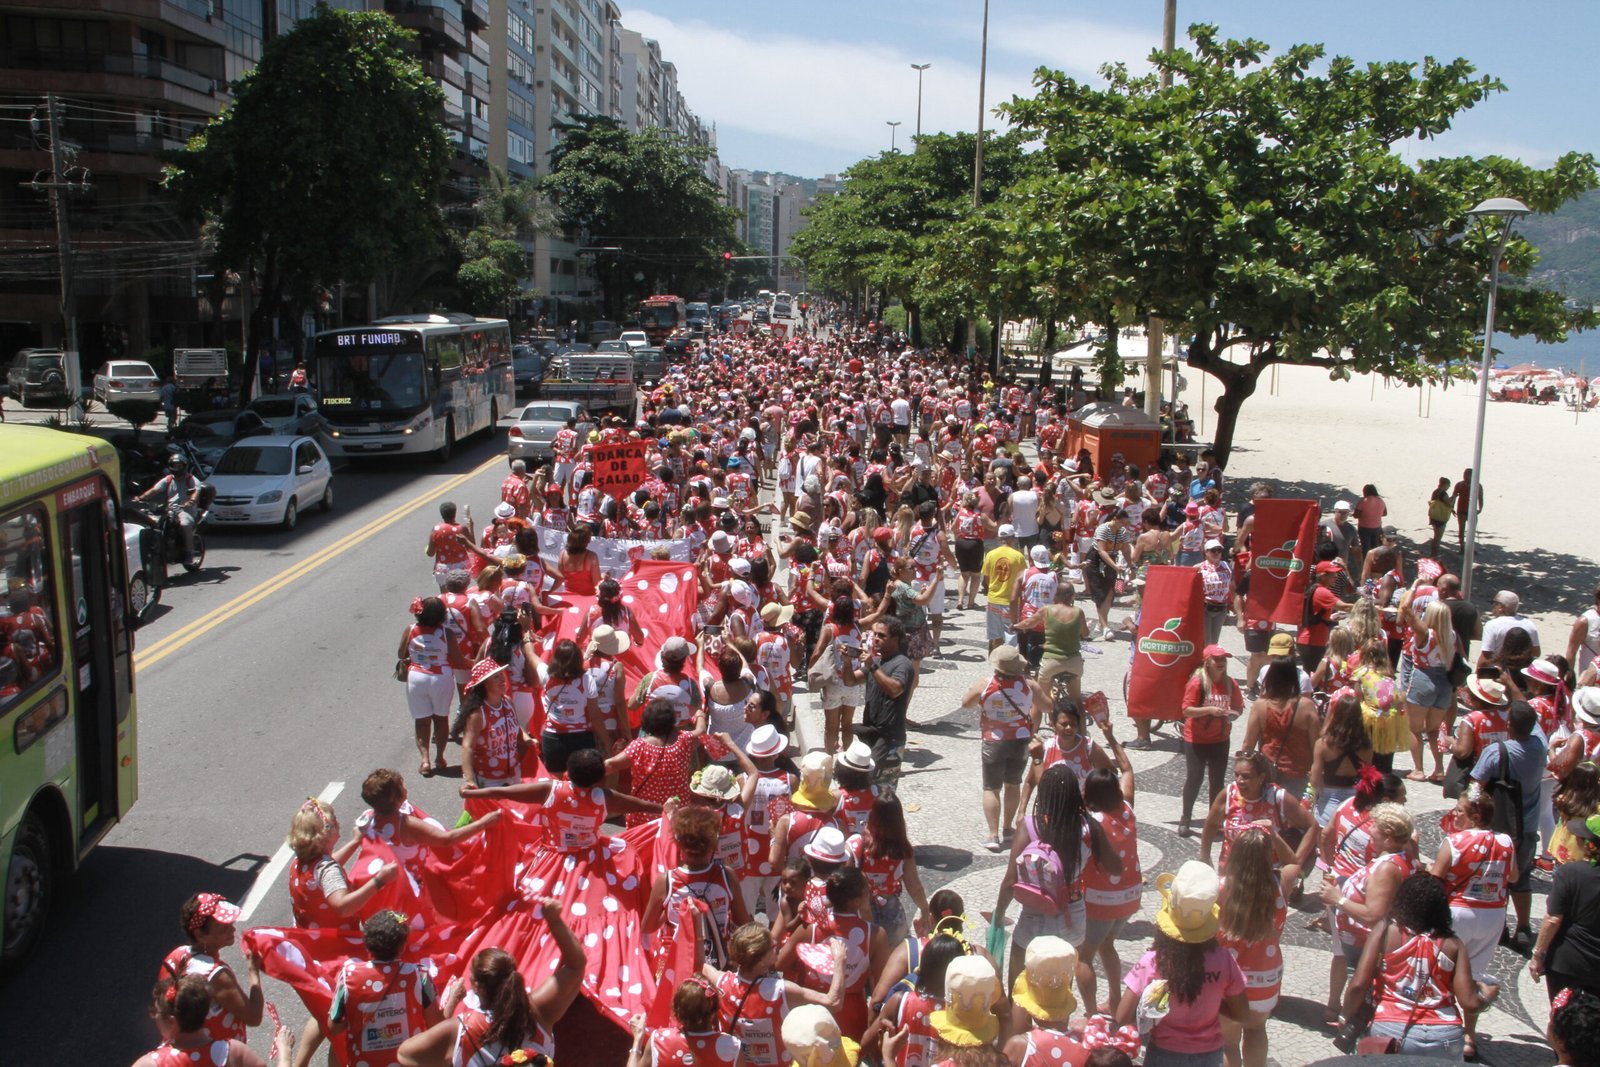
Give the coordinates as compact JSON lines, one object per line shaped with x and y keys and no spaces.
{"x":413,"y":384}
{"x":68,"y":729}
{"x":661,"y":316}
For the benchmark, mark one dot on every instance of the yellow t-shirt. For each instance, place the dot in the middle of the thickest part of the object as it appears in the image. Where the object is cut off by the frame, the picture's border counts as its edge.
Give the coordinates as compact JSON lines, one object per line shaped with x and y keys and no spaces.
{"x":1003,"y":567}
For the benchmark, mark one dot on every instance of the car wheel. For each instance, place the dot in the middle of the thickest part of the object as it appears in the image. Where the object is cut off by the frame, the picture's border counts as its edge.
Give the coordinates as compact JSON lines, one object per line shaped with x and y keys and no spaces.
{"x":30,"y":883}
{"x":327,"y":497}
{"x":291,"y":515}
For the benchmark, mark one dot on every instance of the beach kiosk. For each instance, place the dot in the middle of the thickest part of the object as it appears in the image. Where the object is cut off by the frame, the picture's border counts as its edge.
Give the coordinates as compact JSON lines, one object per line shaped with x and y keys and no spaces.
{"x":1108,"y":429}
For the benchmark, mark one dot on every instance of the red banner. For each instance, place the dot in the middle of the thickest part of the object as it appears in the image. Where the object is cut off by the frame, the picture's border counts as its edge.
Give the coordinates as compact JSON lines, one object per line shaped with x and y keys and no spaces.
{"x":1166,"y":651}
{"x":619,"y":468}
{"x":1282,"y":544}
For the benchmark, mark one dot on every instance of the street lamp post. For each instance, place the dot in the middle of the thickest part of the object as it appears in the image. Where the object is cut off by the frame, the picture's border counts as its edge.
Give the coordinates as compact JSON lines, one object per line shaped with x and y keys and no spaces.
{"x":977,"y":160}
{"x":893,"y":125}
{"x":919,"y":68}
{"x":1508,"y":211}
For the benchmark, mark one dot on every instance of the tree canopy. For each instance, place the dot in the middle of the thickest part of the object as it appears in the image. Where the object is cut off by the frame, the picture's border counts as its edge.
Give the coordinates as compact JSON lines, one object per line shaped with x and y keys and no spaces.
{"x":494,"y":263}
{"x":643,"y":198}
{"x":328,"y":165}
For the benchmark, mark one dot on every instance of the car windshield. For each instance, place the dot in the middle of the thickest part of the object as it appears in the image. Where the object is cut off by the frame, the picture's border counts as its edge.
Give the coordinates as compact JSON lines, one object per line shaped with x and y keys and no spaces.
{"x":273,"y":407}
{"x":546,"y":414}
{"x":254,"y":459}
{"x":529,"y":362}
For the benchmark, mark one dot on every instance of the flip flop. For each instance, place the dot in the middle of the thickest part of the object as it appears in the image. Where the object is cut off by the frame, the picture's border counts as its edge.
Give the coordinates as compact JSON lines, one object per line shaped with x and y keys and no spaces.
{"x":425,"y":769}
{"x":1437,"y":778}
{"x":1416,"y":776}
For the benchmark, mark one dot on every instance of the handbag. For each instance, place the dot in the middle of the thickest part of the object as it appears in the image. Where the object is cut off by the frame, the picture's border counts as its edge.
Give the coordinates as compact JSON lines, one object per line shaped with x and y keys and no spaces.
{"x":1459,"y":671}
{"x":402,"y":668}
{"x":1352,"y":1035}
{"x":1455,"y":778}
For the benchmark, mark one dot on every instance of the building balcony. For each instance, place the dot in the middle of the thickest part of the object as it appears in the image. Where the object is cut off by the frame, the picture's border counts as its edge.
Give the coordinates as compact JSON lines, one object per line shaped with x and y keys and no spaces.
{"x":479,"y":47}
{"x":197,"y":19}
{"x":78,"y":61}
{"x":476,"y":14}
{"x":436,"y":18}
{"x":444,"y":69}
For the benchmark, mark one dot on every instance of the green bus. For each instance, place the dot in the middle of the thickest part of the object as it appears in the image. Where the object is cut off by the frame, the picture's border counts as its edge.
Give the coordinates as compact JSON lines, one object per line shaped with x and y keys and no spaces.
{"x":68,"y":763}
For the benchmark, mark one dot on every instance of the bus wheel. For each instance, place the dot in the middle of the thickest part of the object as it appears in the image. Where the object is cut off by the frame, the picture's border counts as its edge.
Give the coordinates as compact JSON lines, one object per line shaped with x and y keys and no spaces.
{"x":442,"y":455}
{"x":30,"y":881}
{"x":494,"y":418}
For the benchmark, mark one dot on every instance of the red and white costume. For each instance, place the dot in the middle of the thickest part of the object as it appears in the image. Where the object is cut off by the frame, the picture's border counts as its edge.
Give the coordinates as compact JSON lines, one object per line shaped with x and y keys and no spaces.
{"x":753,"y":1012}
{"x":183,"y":960}
{"x":1352,"y":931}
{"x":494,"y":758}
{"x":1003,"y":710}
{"x":921,"y":1038}
{"x":1106,"y":896}
{"x":382,"y":1005}
{"x":470,"y":1050}
{"x":1417,"y":979}
{"x":1261,"y":961}
{"x":671,"y":1047}
{"x":1080,"y":757}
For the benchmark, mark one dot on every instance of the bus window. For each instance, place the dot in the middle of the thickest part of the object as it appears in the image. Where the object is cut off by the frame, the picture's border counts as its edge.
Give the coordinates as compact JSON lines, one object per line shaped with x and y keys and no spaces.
{"x":29,"y":637}
{"x":446,"y":351}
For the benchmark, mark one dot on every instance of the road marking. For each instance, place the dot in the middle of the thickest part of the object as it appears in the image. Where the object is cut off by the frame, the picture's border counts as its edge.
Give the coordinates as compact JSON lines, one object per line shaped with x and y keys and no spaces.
{"x":280,"y":860}
{"x":147,"y":657}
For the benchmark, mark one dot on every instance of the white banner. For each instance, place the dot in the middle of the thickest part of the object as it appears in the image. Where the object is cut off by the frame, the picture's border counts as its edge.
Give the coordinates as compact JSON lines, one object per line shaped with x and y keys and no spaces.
{"x":616,"y":554}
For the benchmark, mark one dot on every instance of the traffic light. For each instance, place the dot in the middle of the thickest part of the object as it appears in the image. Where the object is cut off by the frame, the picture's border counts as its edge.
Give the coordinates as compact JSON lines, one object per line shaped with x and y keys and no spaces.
{"x":727,"y":256}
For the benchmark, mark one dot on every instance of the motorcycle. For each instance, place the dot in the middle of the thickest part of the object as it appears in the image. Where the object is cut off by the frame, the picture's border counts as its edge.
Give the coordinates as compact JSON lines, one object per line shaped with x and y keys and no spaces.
{"x":168,"y":540}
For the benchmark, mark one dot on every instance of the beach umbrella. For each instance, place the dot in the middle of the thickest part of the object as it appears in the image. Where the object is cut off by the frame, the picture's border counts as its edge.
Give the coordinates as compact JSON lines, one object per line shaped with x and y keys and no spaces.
{"x":1500,"y":366}
{"x":1526,"y":369}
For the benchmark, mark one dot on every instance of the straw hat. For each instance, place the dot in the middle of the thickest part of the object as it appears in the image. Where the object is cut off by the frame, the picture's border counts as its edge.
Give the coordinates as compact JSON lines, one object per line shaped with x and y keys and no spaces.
{"x":1044,"y":988}
{"x":1189,"y":910}
{"x":800,"y":521}
{"x":815,"y":791}
{"x":1008,"y":661}
{"x":812,"y":1037}
{"x":776,"y":615}
{"x":609,"y":641}
{"x":971,"y":988}
{"x":1586,"y":704}
{"x":715,"y":782}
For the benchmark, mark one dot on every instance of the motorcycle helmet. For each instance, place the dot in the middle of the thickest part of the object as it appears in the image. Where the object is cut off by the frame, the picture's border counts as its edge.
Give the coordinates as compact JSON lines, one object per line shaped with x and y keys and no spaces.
{"x":176,"y":464}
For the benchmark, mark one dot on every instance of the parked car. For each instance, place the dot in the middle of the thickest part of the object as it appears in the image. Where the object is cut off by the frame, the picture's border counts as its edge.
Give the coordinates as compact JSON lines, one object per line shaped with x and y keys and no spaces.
{"x":527,"y":367}
{"x":265,"y":480}
{"x":295,"y":414}
{"x":533,"y":435}
{"x":679,"y":345}
{"x":126,"y":380}
{"x":38,"y":378}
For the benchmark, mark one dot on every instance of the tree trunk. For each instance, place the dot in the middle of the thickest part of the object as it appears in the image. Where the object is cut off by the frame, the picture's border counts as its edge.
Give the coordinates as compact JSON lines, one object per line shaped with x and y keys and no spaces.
{"x":914,"y":325}
{"x":1046,"y":364}
{"x":1238,"y":385}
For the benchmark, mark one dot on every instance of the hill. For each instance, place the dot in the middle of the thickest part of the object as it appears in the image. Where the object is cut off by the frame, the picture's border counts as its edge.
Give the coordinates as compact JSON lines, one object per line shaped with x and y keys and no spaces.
{"x":1569,"y":248}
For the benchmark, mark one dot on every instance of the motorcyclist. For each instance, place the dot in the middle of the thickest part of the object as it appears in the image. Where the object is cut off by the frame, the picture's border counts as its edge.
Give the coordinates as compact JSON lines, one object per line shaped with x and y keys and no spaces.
{"x":179,"y":492}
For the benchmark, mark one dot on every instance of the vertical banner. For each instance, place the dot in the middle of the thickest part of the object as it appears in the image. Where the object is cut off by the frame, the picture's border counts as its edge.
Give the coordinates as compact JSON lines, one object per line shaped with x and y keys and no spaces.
{"x":1282,"y":544}
{"x":619,"y":468}
{"x":1166,"y":651}
{"x":780,"y":330}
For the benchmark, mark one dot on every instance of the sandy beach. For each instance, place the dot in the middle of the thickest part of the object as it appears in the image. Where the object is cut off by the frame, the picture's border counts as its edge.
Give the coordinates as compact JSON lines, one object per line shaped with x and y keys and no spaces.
{"x":1323,"y":439}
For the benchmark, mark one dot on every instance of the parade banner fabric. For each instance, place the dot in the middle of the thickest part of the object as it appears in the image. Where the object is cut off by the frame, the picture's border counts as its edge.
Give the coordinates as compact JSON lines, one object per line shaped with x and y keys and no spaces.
{"x":662,"y":594}
{"x":1284,"y":540}
{"x":619,"y":468}
{"x":1166,"y":650}
{"x":617,"y":555}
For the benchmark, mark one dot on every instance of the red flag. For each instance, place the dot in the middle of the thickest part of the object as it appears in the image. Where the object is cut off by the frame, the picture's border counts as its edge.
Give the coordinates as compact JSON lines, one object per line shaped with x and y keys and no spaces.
{"x":619,"y":468}
{"x":1166,"y":650}
{"x":680,"y":959}
{"x":1282,"y":544}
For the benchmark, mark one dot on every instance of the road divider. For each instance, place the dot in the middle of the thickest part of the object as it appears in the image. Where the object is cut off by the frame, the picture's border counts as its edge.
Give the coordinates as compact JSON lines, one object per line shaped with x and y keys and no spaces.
{"x":280,"y":860}
{"x":159,"y":650}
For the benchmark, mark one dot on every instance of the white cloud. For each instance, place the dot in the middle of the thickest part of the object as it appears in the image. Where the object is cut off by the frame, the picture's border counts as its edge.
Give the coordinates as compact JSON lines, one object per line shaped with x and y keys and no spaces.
{"x":1077,"y":46}
{"x":833,"y":95}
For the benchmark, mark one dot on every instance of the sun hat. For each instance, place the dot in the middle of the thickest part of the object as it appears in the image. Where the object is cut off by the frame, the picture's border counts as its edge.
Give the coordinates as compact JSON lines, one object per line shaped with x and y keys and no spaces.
{"x":1189,"y":911}
{"x":1008,"y":661}
{"x":800,"y":520}
{"x":812,"y":1037}
{"x":504,"y":511}
{"x":714,"y":781}
{"x":815,"y":792}
{"x":826,"y":845}
{"x":1191,"y":510}
{"x":214,"y":907}
{"x":1105,"y":496}
{"x":1215,"y":650}
{"x":971,"y":988}
{"x":1213,"y":544}
{"x":1044,"y":988}
{"x":765,"y":741}
{"x":609,"y":641}
{"x":719,"y":502}
{"x":1007,"y":531}
{"x":514,"y":561}
{"x":721,"y":542}
{"x":1488,"y":690}
{"x":858,"y":757}
{"x":483,"y":669}
{"x":776,"y":615}
{"x":1586,"y":704}
{"x":1429,"y":569}
{"x":1542,"y":670}
{"x":1040,"y":555}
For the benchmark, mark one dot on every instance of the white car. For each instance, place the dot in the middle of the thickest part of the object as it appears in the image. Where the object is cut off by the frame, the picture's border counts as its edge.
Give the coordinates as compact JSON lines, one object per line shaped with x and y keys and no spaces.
{"x":126,"y":379}
{"x":634,"y":339}
{"x":264,"y":480}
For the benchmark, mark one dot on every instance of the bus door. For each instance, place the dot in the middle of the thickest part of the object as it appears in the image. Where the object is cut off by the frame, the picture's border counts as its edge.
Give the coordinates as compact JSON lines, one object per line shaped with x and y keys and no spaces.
{"x":96,"y":635}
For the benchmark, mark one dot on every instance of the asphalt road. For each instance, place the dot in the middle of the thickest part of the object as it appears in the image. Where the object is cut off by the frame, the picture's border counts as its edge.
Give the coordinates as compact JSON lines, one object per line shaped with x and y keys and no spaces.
{"x":262,"y":679}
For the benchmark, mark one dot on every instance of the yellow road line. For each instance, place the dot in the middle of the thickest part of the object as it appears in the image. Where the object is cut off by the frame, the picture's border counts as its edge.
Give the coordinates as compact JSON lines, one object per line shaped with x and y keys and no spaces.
{"x":159,"y":650}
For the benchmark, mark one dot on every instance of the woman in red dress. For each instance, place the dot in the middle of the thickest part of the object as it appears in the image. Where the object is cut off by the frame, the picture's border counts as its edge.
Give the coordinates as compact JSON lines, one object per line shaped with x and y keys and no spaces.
{"x":180,"y":1007}
{"x":208,"y":922}
{"x":579,"y":572}
{"x":658,"y":760}
{"x":697,"y":1040}
{"x":319,"y":892}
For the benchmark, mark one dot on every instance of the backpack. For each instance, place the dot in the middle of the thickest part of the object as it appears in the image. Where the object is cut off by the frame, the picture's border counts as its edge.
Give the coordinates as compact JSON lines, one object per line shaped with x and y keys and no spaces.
{"x":1041,"y":883}
{"x":1507,"y":793}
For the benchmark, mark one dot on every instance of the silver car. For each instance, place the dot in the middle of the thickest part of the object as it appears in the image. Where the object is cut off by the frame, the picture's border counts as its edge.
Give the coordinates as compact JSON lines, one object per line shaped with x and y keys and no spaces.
{"x":126,"y":379}
{"x":533,"y":435}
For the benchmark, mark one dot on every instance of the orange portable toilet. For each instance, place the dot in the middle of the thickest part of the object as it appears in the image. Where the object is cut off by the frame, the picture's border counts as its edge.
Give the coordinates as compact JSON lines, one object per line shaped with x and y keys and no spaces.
{"x":1108,"y":429}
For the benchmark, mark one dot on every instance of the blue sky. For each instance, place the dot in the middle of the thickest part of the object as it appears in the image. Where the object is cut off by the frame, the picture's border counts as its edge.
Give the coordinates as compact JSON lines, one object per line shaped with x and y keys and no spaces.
{"x":808,"y":88}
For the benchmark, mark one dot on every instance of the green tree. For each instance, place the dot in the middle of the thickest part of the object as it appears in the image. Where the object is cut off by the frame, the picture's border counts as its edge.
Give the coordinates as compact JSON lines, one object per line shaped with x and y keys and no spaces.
{"x":645,"y":195}
{"x":327,"y":167}
{"x":494,"y":264}
{"x":1261,"y":205}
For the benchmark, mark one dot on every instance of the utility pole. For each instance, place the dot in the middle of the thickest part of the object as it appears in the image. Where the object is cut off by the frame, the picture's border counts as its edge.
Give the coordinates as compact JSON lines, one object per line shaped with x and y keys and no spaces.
{"x":60,"y":183}
{"x":977,"y":162}
{"x":1152,"y":326}
{"x":919,"y":68}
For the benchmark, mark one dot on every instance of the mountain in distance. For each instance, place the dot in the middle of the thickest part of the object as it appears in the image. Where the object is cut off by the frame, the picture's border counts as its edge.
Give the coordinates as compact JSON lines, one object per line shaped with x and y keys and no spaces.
{"x":1569,"y":248}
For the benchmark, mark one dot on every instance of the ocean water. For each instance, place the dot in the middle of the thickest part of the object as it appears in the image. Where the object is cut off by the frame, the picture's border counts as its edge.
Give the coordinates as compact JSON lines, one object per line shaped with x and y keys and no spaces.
{"x":1579,"y":350}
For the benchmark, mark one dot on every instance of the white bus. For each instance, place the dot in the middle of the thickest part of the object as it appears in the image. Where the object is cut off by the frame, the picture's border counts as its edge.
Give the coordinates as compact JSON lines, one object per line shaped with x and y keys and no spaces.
{"x":413,"y":383}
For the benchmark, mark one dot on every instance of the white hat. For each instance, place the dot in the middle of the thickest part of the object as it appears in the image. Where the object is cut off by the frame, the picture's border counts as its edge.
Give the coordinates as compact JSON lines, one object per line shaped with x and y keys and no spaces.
{"x":1488,"y":690}
{"x":858,"y":757}
{"x":1007,"y":530}
{"x":812,"y":1036}
{"x":738,"y":564}
{"x":1586,"y":704}
{"x":1041,"y":555}
{"x":827,"y":845}
{"x":765,"y":741}
{"x":721,"y":542}
{"x":1213,"y":543}
{"x":743,"y":592}
{"x":504,"y":511}
{"x":1343,"y":505}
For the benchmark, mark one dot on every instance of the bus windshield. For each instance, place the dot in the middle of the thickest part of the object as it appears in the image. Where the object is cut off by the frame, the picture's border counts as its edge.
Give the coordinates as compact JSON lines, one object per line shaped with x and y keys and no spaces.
{"x":663,"y":317}
{"x":356,"y":375}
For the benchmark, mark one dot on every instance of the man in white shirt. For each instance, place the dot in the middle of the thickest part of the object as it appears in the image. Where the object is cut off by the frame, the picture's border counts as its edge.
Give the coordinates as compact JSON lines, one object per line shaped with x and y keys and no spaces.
{"x":900,"y":411}
{"x":1503,"y":618}
{"x":1025,"y":513}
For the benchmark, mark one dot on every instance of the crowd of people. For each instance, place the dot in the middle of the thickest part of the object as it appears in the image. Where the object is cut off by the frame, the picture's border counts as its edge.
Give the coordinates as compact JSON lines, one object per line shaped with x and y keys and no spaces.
{"x":642,"y":828}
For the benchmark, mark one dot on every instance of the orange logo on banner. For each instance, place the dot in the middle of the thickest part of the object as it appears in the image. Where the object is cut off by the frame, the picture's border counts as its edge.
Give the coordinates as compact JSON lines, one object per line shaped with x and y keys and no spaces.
{"x":619,"y":468}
